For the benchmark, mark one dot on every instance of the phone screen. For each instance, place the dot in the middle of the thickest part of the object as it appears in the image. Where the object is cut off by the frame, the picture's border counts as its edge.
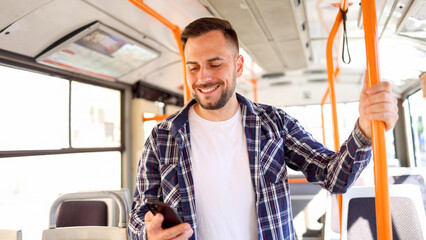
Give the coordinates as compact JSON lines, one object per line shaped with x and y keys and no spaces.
{"x":171,"y":218}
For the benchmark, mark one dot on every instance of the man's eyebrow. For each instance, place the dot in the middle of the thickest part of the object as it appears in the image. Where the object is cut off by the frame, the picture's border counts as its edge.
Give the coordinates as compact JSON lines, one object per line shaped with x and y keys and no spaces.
{"x":214,"y":59}
{"x":208,"y":60}
{"x":189,"y":62}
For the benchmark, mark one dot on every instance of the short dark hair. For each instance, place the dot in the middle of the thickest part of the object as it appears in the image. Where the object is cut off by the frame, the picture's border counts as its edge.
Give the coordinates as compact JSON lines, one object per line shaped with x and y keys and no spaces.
{"x":205,"y":25}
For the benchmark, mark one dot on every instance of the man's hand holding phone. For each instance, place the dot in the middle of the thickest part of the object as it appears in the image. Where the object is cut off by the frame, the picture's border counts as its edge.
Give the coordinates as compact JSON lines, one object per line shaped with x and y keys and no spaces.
{"x":155,"y":230}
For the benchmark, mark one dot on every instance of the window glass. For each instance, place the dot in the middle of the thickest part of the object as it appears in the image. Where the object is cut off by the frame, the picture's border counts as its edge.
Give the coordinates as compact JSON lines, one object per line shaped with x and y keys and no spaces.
{"x":310,"y":118}
{"x":34,"y":111}
{"x":29,"y":185}
{"x":417,"y":106}
{"x":347,"y":115}
{"x":148,"y":125}
{"x":95,"y":116}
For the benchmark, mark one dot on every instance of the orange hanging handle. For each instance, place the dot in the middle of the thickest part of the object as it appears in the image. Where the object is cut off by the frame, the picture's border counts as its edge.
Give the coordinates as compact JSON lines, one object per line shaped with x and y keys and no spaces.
{"x":176,"y":33}
{"x":331,"y":79}
{"x":383,"y":218}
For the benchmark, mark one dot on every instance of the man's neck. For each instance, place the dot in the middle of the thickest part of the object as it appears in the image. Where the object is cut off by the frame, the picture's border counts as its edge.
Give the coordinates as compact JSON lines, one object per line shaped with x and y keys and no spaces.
{"x":222,"y":114}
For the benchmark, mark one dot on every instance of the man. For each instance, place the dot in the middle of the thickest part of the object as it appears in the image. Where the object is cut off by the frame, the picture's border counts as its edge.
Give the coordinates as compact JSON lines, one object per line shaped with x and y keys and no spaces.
{"x":221,"y":161}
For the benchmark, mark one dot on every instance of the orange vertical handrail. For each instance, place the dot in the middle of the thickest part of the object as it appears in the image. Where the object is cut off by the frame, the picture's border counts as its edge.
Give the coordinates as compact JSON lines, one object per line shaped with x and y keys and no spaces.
{"x":330,"y":74}
{"x":176,"y":33}
{"x":322,"y":114}
{"x":383,"y":218}
{"x":327,"y":92}
{"x":254,"y":83}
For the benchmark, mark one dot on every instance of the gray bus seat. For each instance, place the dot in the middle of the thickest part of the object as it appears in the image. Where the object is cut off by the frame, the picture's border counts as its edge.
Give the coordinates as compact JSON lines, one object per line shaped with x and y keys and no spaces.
{"x":116,"y":232}
{"x":359,"y":214}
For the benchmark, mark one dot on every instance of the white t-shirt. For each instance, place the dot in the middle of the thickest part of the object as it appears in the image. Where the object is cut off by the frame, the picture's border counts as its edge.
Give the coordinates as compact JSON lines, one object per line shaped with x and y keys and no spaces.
{"x":224,"y":194}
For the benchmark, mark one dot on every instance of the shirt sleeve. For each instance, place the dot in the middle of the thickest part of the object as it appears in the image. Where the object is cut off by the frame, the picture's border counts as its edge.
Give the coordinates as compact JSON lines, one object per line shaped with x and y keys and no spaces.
{"x":148,"y":186}
{"x":334,"y":171}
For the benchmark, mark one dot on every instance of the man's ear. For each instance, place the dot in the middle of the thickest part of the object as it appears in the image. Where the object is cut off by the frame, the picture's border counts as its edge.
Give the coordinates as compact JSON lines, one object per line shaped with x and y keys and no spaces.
{"x":239,"y":65}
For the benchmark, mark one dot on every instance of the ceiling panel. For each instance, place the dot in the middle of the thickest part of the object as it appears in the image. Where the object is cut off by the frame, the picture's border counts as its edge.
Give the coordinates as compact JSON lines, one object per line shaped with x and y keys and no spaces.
{"x":263,"y":26}
{"x":293,"y":53}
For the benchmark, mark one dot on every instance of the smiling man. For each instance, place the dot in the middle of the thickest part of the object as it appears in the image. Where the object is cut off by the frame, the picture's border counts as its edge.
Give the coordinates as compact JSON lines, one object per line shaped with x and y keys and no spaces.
{"x":221,"y":161}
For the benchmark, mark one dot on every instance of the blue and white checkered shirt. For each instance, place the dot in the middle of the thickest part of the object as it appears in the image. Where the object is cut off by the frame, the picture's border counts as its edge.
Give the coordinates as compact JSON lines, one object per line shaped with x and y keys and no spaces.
{"x":274,"y":140}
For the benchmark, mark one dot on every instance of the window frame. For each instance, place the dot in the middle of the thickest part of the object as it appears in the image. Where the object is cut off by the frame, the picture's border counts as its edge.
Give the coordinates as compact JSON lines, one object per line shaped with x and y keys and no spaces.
{"x":410,"y":131}
{"x":24,"y":63}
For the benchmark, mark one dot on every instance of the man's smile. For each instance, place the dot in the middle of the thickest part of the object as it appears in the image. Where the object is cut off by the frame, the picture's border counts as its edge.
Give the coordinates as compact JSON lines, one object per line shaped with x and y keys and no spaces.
{"x":209,"y":89}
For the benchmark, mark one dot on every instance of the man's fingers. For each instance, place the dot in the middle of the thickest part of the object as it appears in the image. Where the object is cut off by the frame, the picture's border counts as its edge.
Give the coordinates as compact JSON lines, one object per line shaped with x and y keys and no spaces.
{"x":148,"y":216}
{"x":379,"y":87}
{"x":387,"y":117}
{"x":186,"y":235}
{"x":177,"y":232}
{"x":156,"y":222}
{"x":381,"y":97}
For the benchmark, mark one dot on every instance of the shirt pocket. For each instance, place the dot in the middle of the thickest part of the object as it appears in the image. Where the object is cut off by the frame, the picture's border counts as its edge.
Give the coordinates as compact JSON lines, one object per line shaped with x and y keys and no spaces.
{"x":170,"y":186}
{"x":272,"y":161}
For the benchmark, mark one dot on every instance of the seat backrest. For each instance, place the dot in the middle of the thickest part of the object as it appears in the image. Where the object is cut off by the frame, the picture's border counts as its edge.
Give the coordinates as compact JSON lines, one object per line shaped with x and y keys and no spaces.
{"x":359,"y":213}
{"x":6,"y":234}
{"x":416,"y":176}
{"x":86,"y":233}
{"x":82,"y":213}
{"x":91,"y":220}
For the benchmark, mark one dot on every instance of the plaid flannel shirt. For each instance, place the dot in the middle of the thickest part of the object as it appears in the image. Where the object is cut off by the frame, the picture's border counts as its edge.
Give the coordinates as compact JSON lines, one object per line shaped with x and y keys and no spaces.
{"x":274,"y":140}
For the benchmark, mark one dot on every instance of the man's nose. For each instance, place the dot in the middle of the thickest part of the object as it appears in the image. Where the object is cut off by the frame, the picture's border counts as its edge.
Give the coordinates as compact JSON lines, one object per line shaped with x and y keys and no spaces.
{"x":204,"y":75}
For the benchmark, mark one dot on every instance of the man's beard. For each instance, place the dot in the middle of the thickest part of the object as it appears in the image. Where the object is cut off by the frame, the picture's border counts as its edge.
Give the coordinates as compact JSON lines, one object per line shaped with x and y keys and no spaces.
{"x":223,"y":99}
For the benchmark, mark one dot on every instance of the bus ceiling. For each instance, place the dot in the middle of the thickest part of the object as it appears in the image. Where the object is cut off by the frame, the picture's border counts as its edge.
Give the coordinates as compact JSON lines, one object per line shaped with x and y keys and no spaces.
{"x":285,"y":39}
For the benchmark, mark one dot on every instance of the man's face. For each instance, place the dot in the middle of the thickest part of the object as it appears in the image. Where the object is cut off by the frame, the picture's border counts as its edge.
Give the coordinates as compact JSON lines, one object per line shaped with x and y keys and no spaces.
{"x":212,"y":66}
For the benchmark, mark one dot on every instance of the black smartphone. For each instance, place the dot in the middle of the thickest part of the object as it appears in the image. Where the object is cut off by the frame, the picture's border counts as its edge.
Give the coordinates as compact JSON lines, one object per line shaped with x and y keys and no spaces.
{"x":171,"y":218}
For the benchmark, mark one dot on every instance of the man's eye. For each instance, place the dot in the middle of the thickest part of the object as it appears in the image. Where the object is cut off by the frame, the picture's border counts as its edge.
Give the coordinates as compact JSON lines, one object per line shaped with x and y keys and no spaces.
{"x":216,"y":65}
{"x":193,"y":68}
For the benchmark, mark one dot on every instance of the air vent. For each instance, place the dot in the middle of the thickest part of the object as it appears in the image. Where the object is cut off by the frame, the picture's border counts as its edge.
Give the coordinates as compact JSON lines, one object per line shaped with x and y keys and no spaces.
{"x":273,"y":75}
{"x":315,"y":71}
{"x":279,"y":84}
{"x":318,"y":80}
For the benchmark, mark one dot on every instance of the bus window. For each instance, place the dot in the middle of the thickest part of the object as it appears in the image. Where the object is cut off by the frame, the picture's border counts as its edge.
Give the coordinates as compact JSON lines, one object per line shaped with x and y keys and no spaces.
{"x":417,"y":106}
{"x":34,"y":109}
{"x":39,"y":158}
{"x":148,"y":125}
{"x":29,"y":185}
{"x":95,"y":114}
{"x":310,"y":118}
{"x":347,"y":115}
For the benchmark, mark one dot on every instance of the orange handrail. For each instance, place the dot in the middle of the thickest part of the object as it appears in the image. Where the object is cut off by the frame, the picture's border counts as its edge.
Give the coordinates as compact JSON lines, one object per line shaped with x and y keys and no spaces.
{"x":383,"y":218}
{"x":176,"y":33}
{"x":156,"y":117}
{"x":330,"y":73}
{"x":297,"y":180}
{"x":327,"y":92}
{"x":322,"y":114}
{"x":254,"y":83}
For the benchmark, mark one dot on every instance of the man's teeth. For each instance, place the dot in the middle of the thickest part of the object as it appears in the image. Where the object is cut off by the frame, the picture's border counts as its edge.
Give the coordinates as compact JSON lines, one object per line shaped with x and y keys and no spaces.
{"x":207,"y":89}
